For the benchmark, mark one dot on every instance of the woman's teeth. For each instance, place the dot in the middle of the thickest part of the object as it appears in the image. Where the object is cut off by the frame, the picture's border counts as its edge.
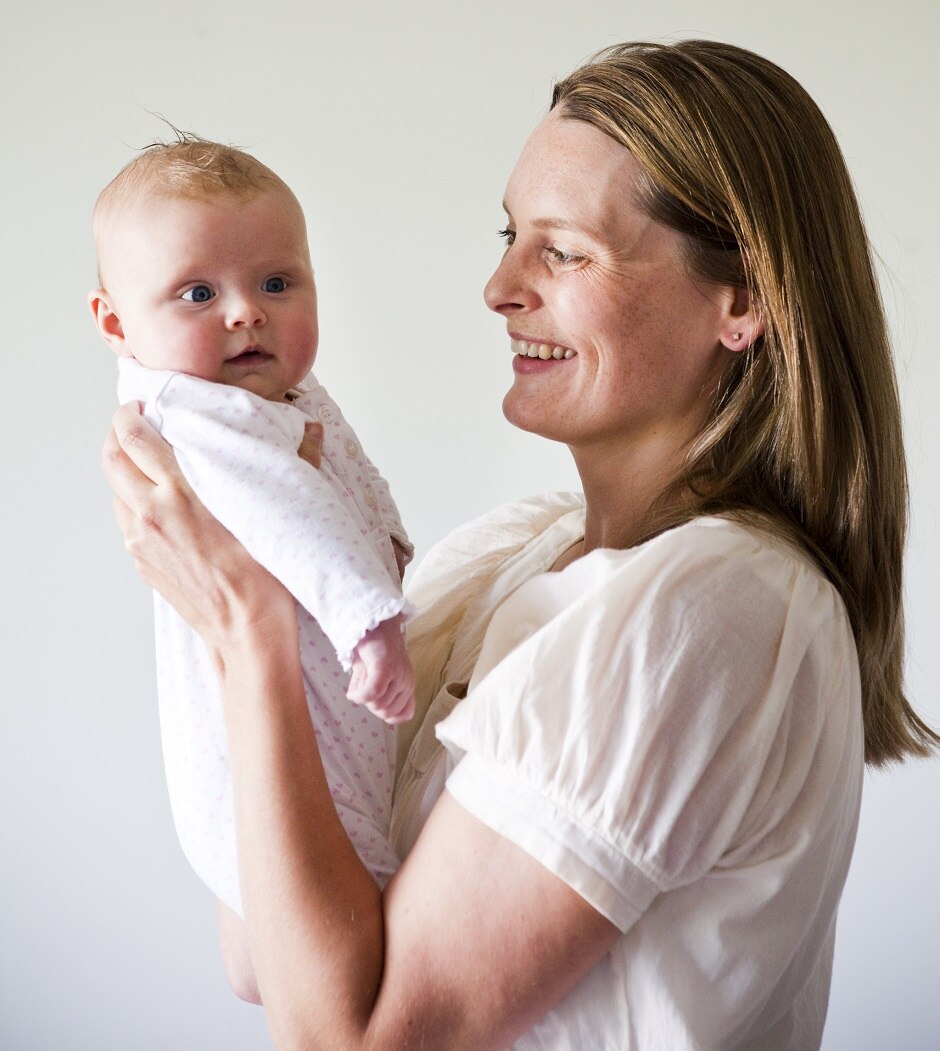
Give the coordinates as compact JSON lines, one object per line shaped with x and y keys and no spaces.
{"x":539,"y":350}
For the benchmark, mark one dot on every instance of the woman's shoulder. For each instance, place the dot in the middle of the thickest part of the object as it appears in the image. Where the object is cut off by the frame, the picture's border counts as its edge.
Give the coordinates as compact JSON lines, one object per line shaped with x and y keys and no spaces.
{"x":515,"y":522}
{"x":727,"y":551}
{"x":722,"y":574}
{"x":711,"y":639}
{"x":678,"y":592}
{"x":485,"y":544}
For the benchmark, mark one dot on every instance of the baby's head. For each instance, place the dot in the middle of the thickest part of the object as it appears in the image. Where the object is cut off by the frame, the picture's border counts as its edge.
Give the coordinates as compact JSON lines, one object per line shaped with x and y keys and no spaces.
{"x":204,"y":268}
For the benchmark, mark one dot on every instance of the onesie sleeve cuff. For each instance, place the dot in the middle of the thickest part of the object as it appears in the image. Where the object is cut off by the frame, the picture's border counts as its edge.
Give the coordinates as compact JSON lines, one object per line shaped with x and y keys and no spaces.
{"x":577,"y":855}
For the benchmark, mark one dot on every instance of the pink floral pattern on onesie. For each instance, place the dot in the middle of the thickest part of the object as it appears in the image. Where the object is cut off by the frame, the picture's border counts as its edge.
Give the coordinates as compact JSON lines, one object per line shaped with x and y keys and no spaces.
{"x":326,"y":535}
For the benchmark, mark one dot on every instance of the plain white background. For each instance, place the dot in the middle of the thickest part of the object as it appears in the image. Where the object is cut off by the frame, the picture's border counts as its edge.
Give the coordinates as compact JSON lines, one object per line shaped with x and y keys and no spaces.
{"x":396,"y":124}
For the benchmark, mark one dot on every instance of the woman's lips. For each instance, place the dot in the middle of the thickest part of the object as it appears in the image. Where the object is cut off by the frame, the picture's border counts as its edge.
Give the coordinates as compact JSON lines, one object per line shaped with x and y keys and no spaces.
{"x":525,"y":366}
{"x":529,"y":356}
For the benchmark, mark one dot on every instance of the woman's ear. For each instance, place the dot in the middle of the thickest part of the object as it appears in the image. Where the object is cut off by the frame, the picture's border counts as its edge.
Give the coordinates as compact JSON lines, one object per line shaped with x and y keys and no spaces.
{"x":108,"y":322}
{"x":743,"y":324}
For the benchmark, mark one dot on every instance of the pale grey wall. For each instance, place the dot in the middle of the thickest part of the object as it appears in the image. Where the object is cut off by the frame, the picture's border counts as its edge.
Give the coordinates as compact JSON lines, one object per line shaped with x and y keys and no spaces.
{"x":397,"y":124}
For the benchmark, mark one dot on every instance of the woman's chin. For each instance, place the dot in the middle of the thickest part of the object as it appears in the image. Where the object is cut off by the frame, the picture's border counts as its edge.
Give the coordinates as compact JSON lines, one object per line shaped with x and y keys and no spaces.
{"x":536,"y":419}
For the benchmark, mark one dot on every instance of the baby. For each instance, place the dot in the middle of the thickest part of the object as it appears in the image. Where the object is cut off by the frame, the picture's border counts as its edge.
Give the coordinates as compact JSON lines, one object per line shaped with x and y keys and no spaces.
{"x":208,"y":300}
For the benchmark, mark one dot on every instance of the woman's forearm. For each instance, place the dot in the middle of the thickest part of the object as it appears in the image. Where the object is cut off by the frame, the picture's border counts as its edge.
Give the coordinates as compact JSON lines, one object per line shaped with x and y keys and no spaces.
{"x":314,"y":913}
{"x":473,"y":939}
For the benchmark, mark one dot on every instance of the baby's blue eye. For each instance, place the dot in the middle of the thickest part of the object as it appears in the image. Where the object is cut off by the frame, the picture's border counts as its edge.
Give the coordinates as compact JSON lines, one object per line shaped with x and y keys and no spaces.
{"x":198,"y":294}
{"x":274,"y":284}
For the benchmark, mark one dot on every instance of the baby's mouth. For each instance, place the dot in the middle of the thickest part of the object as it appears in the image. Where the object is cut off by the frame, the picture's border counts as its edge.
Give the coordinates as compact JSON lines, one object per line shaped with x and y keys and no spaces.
{"x":250,"y":356}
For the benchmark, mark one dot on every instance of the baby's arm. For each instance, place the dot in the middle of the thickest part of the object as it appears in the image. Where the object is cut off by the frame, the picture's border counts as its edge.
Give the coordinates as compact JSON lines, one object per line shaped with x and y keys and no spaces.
{"x":382,"y":678}
{"x":333,"y":416}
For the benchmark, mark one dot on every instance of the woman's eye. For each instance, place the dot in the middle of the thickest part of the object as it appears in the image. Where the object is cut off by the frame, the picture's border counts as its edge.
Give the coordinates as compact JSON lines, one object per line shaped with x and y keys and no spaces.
{"x":274,"y":284}
{"x":198,"y":294}
{"x":507,"y":235}
{"x":563,"y":257}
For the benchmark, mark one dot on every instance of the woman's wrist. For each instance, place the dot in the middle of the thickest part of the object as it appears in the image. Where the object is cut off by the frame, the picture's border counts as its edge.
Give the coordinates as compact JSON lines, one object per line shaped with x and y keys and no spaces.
{"x":254,"y":615}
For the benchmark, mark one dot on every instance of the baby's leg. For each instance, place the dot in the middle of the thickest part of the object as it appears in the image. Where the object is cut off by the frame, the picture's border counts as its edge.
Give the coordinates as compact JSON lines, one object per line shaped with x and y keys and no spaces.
{"x":382,"y":678}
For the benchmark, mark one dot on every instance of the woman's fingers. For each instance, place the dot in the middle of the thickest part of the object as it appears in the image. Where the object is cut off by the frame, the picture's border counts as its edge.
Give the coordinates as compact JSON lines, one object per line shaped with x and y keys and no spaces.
{"x":177,"y":546}
{"x":136,"y":459}
{"x":401,"y":559}
{"x":150,"y":495}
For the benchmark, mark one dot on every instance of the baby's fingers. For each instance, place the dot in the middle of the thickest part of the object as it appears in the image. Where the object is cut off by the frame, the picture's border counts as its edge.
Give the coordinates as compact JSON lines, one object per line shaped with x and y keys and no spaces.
{"x":312,"y":444}
{"x":401,"y":709}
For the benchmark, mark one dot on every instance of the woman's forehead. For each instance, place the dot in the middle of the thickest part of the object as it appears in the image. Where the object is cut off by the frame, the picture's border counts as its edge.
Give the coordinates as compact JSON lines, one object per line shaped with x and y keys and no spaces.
{"x":570,"y":174}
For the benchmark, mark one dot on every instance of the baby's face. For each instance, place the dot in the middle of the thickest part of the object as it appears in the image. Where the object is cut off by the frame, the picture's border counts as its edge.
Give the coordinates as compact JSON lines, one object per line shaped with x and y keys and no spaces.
{"x":222,"y":289}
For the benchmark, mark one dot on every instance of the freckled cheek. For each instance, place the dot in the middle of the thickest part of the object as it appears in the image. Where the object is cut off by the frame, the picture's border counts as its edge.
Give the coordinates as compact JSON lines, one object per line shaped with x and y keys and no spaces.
{"x":630,"y":365}
{"x":615,"y":311}
{"x":627,"y":328}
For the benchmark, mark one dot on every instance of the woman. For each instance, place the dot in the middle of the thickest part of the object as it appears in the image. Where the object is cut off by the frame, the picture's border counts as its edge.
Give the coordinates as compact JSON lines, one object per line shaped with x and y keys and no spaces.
{"x":655,"y":702}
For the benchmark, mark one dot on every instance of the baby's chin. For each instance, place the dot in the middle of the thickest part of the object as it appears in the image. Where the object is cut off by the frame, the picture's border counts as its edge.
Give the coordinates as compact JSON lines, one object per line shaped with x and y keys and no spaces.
{"x":259,"y":377}
{"x":262,"y":387}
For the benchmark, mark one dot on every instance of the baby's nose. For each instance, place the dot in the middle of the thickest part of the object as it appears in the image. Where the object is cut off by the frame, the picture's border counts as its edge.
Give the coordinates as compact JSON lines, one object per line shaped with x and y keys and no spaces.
{"x":245,"y":312}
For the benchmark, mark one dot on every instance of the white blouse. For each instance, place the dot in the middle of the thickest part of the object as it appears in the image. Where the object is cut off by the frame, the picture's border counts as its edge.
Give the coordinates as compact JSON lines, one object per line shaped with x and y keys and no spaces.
{"x":673,"y":730}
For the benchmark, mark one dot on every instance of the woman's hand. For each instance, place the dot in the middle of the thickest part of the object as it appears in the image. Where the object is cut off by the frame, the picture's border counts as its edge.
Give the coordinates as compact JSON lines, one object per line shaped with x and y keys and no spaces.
{"x":177,"y":546}
{"x":337,"y":964}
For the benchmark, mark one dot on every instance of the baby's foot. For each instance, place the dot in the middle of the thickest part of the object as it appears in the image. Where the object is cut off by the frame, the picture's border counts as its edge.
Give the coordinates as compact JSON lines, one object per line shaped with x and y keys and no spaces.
{"x":382,"y":678}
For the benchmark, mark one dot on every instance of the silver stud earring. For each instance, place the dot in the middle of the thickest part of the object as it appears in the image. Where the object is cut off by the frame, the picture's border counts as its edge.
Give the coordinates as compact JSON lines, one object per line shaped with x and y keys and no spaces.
{"x":738,"y":335}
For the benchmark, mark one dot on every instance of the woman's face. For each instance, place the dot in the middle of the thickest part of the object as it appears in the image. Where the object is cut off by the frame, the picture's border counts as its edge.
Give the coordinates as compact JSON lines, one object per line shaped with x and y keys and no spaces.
{"x":627,"y":343}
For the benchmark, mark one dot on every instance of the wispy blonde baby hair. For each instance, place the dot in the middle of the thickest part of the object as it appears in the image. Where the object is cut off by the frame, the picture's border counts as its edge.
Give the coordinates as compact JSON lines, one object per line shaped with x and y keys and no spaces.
{"x":188,"y":168}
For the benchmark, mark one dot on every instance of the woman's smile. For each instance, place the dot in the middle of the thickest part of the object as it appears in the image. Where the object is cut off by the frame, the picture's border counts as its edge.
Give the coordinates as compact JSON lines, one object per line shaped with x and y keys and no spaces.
{"x":544,"y":351}
{"x":612,"y":337}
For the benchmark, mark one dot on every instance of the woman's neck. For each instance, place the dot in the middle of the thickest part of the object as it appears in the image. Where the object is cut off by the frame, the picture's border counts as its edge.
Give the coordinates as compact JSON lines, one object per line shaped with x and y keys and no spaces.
{"x":621,"y":490}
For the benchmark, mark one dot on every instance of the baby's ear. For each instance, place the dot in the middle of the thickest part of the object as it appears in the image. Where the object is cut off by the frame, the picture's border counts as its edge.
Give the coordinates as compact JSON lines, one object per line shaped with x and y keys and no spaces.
{"x":109,"y":324}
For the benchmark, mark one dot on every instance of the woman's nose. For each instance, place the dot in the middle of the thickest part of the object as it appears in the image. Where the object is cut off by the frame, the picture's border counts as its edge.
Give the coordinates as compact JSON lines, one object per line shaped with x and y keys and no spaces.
{"x":244,"y":311}
{"x":509,"y":291}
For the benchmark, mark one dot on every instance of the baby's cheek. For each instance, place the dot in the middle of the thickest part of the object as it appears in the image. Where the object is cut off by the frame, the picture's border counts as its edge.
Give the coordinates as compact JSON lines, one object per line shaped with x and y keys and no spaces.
{"x":302,"y":338}
{"x":204,"y":356}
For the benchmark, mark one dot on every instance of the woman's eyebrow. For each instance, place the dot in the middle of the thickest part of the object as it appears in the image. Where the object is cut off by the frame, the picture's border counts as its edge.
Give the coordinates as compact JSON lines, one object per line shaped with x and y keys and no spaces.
{"x":556,"y":222}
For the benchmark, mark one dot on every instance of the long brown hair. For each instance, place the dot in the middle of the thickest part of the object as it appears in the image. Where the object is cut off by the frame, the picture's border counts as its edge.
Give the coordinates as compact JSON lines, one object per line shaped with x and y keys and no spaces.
{"x":806,"y":432}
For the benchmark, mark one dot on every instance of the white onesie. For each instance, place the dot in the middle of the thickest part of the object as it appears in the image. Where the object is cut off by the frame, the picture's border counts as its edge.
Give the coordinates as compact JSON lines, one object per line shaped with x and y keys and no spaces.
{"x":326,"y":536}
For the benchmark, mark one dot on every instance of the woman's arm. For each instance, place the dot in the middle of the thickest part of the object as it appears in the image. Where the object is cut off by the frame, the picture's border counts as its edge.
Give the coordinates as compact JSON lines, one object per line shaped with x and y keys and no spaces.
{"x":472,"y":941}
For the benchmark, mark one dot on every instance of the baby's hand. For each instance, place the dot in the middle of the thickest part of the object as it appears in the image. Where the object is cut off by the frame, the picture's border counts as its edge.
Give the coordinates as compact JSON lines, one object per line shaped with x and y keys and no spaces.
{"x":382,"y":678}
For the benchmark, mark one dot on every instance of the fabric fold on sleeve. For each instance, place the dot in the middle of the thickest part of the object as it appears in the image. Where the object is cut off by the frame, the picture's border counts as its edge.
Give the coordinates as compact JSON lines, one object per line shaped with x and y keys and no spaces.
{"x":331,"y":416}
{"x":574,"y":852}
{"x":630,"y":705}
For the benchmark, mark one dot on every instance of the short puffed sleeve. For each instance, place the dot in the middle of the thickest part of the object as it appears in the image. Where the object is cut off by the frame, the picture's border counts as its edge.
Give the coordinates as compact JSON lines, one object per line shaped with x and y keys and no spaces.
{"x":643,"y":714}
